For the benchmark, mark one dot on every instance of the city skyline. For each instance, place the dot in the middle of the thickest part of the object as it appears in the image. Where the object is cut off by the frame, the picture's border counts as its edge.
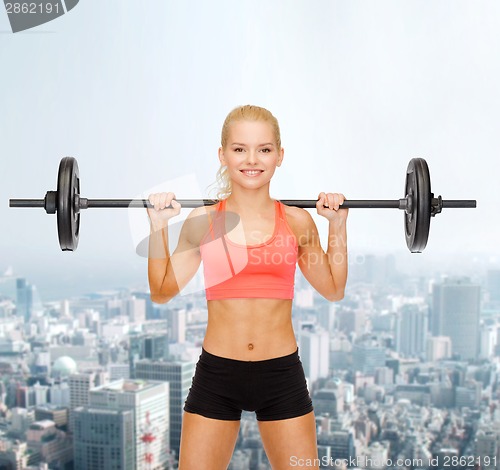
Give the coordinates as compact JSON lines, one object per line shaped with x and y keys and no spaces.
{"x":75,"y":284}
{"x":360,"y":377}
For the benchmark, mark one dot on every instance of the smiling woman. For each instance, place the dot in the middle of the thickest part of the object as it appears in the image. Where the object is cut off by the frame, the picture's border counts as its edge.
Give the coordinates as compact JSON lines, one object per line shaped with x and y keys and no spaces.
{"x":249,"y":359}
{"x":250,"y":114}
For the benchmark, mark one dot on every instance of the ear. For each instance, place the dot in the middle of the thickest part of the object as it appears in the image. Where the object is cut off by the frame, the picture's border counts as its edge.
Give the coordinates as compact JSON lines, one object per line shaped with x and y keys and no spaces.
{"x":221,"y":156}
{"x":281,"y":155}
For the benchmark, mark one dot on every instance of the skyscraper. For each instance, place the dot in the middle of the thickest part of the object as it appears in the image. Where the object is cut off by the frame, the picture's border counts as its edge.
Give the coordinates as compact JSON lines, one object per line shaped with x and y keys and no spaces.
{"x":438,"y":347}
{"x":455,"y":313}
{"x":493,"y":286}
{"x":179,"y":376}
{"x":79,"y":388}
{"x":24,"y":299}
{"x":367,"y":356}
{"x":151,"y":416}
{"x":487,"y":447}
{"x":104,"y":439}
{"x":176,"y":325}
{"x":314,"y":353}
{"x":411,"y":330}
{"x":146,"y":346}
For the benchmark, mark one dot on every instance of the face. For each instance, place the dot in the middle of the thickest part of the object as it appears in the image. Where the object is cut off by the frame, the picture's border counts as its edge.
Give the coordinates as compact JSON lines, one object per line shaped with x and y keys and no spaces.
{"x":251,"y":154}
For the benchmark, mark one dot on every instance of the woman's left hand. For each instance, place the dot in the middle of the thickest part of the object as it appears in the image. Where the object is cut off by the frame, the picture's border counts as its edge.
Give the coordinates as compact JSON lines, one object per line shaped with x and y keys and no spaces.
{"x":329,"y":206}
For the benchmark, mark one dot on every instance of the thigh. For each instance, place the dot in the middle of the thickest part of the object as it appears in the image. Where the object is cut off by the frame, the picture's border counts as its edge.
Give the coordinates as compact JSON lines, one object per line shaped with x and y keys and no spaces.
{"x":291,"y":443}
{"x":206,"y":443}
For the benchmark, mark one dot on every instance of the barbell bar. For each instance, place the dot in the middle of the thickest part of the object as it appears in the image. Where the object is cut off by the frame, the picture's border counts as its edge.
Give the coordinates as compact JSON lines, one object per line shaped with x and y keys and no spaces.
{"x":419,"y":204}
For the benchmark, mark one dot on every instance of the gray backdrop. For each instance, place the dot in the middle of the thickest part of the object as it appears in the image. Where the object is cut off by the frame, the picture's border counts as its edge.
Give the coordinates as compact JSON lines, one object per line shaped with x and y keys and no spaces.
{"x":137,"y":91}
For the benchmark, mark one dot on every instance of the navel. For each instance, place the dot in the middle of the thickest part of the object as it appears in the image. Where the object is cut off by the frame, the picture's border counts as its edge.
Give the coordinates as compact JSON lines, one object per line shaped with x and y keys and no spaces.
{"x":250,"y":346}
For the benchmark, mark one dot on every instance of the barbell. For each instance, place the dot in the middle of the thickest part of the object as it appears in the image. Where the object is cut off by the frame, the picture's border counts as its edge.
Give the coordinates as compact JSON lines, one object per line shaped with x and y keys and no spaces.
{"x":419,"y":204}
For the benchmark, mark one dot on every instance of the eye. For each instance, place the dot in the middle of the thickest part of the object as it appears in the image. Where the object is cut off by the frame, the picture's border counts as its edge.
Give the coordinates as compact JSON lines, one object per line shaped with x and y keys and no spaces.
{"x":266,"y":150}
{"x":238,"y":149}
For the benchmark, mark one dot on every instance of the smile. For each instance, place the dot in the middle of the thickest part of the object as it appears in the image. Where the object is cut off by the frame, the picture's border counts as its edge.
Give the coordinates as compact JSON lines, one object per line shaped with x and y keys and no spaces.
{"x":251,"y":172}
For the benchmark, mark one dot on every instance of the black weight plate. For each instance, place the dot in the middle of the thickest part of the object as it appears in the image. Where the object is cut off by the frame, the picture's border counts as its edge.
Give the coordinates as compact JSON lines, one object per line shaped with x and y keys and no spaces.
{"x":417,"y":218}
{"x":68,"y":220}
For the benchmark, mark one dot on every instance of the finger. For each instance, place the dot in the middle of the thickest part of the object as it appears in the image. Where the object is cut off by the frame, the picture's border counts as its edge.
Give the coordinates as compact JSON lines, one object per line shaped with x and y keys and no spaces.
{"x":170,"y":197}
{"x":153,"y":199}
{"x":321,"y":202}
{"x":336,"y":201}
{"x":331,"y":201}
{"x":167,"y":200}
{"x":157,"y":201}
{"x":176,"y":205}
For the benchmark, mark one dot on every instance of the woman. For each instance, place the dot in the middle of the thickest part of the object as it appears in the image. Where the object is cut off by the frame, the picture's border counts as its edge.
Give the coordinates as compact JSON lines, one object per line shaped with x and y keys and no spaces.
{"x":249,"y":357}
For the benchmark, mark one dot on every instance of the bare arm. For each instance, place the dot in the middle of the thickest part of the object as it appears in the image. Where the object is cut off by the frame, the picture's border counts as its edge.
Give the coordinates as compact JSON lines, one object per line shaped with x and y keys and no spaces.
{"x":168,"y":274}
{"x":325,"y":271}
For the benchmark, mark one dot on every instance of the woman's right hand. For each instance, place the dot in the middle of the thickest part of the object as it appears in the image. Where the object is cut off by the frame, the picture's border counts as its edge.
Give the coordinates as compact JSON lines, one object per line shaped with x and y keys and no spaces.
{"x":161,"y":212}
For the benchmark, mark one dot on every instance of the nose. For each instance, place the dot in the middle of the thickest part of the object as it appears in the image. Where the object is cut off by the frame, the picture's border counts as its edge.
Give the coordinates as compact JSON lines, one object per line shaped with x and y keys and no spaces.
{"x":252,"y":157}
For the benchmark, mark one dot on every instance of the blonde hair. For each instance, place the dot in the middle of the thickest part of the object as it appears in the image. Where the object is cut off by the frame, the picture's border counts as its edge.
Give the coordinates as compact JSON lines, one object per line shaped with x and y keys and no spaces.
{"x":242,"y":113}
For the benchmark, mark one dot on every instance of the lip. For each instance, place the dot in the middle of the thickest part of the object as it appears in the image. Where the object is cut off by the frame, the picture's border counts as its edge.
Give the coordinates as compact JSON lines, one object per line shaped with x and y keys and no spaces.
{"x":252,"y":172}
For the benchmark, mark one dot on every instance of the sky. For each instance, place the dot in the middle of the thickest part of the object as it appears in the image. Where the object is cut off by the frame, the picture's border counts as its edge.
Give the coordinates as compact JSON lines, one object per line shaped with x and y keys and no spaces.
{"x":138,"y":91}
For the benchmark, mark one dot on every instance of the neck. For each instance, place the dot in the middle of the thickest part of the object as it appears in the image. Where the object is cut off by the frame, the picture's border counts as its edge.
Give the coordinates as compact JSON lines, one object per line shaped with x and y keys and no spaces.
{"x":243,"y":199}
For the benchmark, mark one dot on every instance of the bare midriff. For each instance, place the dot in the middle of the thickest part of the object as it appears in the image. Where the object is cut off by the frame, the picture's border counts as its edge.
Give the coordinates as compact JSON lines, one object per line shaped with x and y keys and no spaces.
{"x":250,"y":329}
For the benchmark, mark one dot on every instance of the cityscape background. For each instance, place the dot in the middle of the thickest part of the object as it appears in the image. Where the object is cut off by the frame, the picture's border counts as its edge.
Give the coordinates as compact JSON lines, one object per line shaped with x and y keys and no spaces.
{"x":406,"y":366}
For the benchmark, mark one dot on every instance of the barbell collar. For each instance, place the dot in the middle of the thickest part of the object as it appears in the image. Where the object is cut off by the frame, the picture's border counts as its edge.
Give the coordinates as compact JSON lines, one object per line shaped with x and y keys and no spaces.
{"x":50,"y":203}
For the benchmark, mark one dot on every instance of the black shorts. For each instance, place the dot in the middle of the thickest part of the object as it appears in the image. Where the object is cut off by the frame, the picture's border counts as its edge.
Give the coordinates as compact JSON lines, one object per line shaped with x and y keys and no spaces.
{"x":274,"y":388}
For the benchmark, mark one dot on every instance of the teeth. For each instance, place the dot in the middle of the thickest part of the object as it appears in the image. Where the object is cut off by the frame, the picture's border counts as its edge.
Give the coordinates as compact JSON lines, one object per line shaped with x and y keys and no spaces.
{"x":252,"y":172}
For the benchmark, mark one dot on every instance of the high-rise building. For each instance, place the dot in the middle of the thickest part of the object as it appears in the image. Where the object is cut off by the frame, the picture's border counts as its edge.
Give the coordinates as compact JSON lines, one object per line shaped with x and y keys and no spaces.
{"x":132,"y":307}
{"x":351,"y":321}
{"x":79,"y":388}
{"x":314,"y":353}
{"x":384,"y":376}
{"x":367,"y":356}
{"x":8,"y":284}
{"x":438,"y":347}
{"x":151,"y":416}
{"x":176,"y":325}
{"x":24,"y":299}
{"x":487,"y":447}
{"x":57,"y":414}
{"x":41,"y":393}
{"x":135,"y":309}
{"x":146,"y":346}
{"x":493,"y":286}
{"x":52,"y":445}
{"x":104,"y":439}
{"x":488,"y":341}
{"x":119,"y":371}
{"x":21,"y":420}
{"x":326,"y":316}
{"x":468,"y":395}
{"x":14,"y":455}
{"x":150,"y":309}
{"x":411,"y":330}
{"x":326,"y":402}
{"x":341,"y":444}
{"x":179,"y":376}
{"x":455,"y":313}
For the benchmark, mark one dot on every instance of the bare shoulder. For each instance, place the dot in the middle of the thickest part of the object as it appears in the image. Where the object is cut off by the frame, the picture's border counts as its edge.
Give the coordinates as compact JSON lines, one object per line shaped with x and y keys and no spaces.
{"x":201,"y":210}
{"x":197,"y":224}
{"x":300,"y":221}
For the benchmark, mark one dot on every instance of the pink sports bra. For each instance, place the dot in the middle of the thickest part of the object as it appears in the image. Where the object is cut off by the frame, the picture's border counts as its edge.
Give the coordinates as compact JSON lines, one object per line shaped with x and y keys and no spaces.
{"x":265,"y":270}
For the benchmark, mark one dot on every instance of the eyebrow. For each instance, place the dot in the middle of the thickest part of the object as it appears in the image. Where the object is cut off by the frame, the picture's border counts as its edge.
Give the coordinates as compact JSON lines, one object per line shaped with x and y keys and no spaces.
{"x":244,"y":145}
